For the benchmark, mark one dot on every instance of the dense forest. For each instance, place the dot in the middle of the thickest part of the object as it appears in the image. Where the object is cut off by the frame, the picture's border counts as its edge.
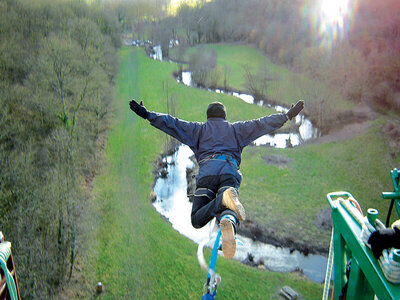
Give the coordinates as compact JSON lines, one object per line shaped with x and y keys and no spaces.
{"x":361,"y":58}
{"x":57,"y":62}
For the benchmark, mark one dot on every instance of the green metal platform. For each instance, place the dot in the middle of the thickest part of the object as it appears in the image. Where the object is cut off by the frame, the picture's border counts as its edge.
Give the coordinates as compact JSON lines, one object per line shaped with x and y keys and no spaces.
{"x":366,"y":278}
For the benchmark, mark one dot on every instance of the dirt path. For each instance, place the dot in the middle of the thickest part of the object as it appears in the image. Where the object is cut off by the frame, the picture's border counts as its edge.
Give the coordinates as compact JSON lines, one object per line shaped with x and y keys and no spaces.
{"x":363,"y":115}
{"x":346,"y":132}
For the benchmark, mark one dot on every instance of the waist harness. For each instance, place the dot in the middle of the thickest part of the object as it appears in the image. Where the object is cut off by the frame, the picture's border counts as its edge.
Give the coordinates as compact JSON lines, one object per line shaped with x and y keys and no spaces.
{"x":220,"y":156}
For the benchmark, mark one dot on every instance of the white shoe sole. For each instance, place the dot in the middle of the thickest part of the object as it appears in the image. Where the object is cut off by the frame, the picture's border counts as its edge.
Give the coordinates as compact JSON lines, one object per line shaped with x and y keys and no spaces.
{"x":228,"y":238}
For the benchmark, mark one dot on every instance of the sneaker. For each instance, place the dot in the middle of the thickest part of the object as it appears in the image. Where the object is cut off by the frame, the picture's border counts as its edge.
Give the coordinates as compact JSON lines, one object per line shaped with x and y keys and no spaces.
{"x":228,"y":238}
{"x":230,"y":199}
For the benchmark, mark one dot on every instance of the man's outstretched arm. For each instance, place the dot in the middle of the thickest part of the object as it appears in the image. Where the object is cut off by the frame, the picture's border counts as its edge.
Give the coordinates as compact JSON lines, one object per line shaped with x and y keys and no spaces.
{"x":183,"y":131}
{"x":248,"y":131}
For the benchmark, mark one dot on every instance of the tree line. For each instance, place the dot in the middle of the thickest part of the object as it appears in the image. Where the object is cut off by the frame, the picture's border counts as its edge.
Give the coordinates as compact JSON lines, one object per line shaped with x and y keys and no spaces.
{"x":362,"y":66}
{"x":57,"y":65}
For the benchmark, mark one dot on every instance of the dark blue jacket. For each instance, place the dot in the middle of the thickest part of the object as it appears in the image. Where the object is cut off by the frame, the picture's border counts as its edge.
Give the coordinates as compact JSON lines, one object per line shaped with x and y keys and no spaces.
{"x":217,"y":135}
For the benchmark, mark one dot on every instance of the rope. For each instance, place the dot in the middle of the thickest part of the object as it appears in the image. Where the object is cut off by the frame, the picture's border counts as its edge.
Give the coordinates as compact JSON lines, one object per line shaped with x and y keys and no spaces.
{"x":200,"y":255}
{"x":328,"y":270}
{"x":353,"y":211}
{"x":390,"y":267}
{"x":368,"y":229}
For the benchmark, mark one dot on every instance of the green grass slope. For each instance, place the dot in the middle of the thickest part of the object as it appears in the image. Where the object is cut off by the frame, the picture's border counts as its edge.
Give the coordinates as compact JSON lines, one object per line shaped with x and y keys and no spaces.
{"x":132,"y":250}
{"x":292,"y":195}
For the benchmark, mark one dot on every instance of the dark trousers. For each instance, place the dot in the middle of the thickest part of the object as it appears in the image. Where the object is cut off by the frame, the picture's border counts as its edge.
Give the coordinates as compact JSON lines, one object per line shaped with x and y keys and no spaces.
{"x":207,"y":200}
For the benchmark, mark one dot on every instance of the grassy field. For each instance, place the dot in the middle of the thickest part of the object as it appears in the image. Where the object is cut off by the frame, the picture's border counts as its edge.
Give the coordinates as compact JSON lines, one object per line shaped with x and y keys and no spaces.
{"x":292,"y":195}
{"x":288,"y":87}
{"x":132,"y":250}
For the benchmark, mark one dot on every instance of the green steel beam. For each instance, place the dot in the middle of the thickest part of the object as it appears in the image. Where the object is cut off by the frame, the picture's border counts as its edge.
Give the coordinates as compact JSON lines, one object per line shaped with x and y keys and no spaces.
{"x":395,"y":195}
{"x":358,"y":287}
{"x":339,"y":259}
{"x":368,"y":275}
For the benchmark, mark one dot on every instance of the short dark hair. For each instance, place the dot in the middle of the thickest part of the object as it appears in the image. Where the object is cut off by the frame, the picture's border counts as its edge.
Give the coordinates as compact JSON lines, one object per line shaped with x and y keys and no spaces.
{"x":216,"y":110}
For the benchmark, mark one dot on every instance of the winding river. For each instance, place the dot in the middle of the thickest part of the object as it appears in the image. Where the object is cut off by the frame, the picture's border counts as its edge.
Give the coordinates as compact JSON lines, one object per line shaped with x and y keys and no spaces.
{"x":172,"y":201}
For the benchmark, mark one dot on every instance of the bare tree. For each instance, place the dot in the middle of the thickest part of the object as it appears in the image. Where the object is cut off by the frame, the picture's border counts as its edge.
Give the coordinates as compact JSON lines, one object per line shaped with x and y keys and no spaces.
{"x":257,"y":84}
{"x":202,"y":63}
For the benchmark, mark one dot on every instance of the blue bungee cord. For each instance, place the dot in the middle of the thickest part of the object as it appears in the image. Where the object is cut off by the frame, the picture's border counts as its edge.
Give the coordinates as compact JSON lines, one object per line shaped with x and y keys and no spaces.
{"x":213,"y":279}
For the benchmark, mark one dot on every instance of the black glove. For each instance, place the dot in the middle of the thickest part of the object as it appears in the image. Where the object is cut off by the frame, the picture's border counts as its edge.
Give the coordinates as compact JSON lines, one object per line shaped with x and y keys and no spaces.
{"x":384,"y":239}
{"x":295,"y":109}
{"x":139,"y":109}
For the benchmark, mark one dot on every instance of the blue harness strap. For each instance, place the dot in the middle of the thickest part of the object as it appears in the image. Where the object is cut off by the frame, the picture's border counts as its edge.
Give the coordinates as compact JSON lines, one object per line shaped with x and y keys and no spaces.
{"x":220,"y":156}
{"x":225,"y":157}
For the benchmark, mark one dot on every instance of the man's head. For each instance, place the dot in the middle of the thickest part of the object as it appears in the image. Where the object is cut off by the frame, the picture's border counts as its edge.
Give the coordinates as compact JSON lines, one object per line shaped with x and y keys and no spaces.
{"x":216,"y":110}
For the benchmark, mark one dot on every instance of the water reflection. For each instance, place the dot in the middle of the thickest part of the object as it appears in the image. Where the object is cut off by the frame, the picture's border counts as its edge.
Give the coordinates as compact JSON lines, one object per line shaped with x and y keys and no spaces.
{"x":157,"y":53}
{"x":173,"y":203}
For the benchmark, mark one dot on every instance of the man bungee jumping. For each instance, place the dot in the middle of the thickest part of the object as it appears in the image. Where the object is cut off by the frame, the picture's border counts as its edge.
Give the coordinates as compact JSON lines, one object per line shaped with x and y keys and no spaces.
{"x":217,"y":145}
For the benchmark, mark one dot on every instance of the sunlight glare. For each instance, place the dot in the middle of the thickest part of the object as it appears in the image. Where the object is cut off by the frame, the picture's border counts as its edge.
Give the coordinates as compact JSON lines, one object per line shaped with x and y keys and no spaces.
{"x":333,"y":21}
{"x":334,"y":10}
